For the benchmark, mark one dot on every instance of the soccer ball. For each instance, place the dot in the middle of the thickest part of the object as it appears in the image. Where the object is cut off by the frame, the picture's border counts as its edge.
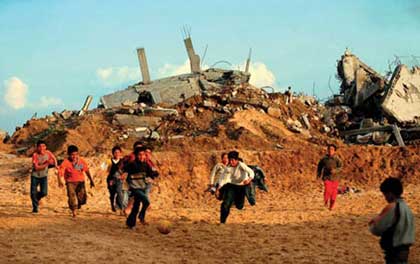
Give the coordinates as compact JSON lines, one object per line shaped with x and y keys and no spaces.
{"x":164,"y":227}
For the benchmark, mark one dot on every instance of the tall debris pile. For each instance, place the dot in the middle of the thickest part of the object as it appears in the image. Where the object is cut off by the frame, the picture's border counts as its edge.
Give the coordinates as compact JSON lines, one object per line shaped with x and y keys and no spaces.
{"x":372,"y":109}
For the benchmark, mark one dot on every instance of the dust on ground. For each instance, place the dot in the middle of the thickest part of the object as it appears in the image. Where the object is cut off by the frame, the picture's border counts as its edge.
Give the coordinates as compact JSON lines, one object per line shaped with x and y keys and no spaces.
{"x":288,"y":225}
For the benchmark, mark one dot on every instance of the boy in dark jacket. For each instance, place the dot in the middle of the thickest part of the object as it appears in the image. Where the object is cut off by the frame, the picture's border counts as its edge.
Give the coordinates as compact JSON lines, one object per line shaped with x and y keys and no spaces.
{"x":138,"y":175}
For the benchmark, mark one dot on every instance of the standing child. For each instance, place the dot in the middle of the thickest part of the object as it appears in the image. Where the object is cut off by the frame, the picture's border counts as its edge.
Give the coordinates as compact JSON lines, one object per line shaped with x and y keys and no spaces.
{"x":73,"y":169}
{"x":328,"y":170}
{"x":41,"y":160}
{"x":138,"y":173}
{"x":395,"y":224}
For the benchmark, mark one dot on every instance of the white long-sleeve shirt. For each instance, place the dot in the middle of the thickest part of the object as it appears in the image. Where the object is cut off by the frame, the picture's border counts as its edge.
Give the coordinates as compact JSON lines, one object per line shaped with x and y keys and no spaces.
{"x":236,"y":175}
{"x":405,"y":228}
{"x":216,"y":172}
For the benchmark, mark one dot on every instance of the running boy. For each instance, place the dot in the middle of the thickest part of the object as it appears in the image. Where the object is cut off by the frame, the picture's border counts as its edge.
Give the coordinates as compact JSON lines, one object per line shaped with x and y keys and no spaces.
{"x":328,"y":170}
{"x":234,"y":180}
{"x":42,"y":159}
{"x":217,"y":172}
{"x":73,"y":169}
{"x":138,"y":173}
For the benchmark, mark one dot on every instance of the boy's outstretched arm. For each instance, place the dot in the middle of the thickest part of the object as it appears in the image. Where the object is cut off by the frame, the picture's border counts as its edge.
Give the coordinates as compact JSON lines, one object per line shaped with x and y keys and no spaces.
{"x":92,"y":184}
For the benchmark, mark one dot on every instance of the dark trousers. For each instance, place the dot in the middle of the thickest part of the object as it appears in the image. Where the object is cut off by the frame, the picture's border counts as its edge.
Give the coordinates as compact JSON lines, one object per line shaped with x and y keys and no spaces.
{"x":397,"y":255}
{"x":76,"y":193}
{"x":231,"y":194}
{"x":35,"y":194}
{"x":117,"y":195}
{"x":139,"y":197}
{"x":250,"y":193}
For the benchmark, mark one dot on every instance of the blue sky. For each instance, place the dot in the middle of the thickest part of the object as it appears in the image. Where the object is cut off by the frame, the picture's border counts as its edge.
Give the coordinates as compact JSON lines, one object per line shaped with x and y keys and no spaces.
{"x":55,"y":53}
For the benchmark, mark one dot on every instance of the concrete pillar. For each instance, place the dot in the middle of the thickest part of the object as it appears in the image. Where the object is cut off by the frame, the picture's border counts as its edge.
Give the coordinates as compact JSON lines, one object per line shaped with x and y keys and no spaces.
{"x":86,"y":105}
{"x":144,"y":68}
{"x":194,"y":58}
{"x":248,"y":61}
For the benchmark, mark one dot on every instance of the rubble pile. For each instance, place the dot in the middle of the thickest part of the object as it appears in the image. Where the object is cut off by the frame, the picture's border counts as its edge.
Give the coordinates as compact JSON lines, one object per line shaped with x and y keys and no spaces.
{"x":373,"y":109}
{"x":204,"y":106}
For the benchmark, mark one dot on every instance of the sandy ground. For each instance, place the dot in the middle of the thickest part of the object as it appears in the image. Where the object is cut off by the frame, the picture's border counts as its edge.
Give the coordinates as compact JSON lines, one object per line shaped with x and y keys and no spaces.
{"x":284,"y":227}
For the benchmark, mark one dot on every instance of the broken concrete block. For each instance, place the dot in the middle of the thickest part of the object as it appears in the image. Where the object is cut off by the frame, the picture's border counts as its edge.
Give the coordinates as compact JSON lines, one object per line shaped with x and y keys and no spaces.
{"x":117,"y":98}
{"x":134,"y":121}
{"x":160,"y":112}
{"x":66,"y":114}
{"x":209,"y":104}
{"x":364,"y":139}
{"x":294,"y":126}
{"x":402,"y":99}
{"x":274,"y":112}
{"x":325,"y":129}
{"x":306,"y":121}
{"x":51,"y":118}
{"x":128,"y":103}
{"x":141,"y":129}
{"x":155,"y":135}
{"x":380,"y":137}
{"x":189,"y":113}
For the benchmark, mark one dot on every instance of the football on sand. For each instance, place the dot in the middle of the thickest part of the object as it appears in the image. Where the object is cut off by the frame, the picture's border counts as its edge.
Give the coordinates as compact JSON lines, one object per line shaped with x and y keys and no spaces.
{"x":164,"y":227}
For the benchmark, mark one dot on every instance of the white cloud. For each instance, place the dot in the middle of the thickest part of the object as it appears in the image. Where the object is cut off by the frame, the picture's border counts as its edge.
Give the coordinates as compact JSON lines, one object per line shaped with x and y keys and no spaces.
{"x":46,"y":101}
{"x":112,"y":76}
{"x":171,"y":69}
{"x":260,"y":74}
{"x":16,"y":93}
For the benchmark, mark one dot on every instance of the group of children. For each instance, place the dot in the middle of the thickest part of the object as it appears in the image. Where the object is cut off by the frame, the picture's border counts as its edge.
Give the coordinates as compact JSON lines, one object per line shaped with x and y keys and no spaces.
{"x":129,"y":181}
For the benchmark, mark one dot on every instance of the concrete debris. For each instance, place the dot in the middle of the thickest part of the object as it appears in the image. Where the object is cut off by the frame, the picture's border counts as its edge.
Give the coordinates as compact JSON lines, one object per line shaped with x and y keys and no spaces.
{"x":373,"y":101}
{"x":189,"y":114}
{"x":402,"y":100}
{"x":305,"y":121}
{"x":159,"y":111}
{"x":294,"y":126}
{"x":66,"y":114}
{"x":134,"y":121}
{"x":86,"y":105}
{"x":274,"y":112}
{"x":175,"y":89}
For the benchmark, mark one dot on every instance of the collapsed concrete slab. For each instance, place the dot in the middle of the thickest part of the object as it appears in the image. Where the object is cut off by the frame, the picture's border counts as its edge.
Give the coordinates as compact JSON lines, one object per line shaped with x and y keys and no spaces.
{"x":359,"y":81}
{"x":133,"y":121}
{"x":175,"y":89}
{"x":402,"y":99}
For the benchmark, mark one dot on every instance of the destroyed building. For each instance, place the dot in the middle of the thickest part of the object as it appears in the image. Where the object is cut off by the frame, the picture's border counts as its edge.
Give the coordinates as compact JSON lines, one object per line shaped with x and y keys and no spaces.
{"x":375,"y":108}
{"x":370,"y":109}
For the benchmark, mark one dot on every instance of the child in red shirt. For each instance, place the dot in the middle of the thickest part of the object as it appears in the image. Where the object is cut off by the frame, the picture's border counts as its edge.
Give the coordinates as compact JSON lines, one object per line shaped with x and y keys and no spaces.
{"x":73,"y":169}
